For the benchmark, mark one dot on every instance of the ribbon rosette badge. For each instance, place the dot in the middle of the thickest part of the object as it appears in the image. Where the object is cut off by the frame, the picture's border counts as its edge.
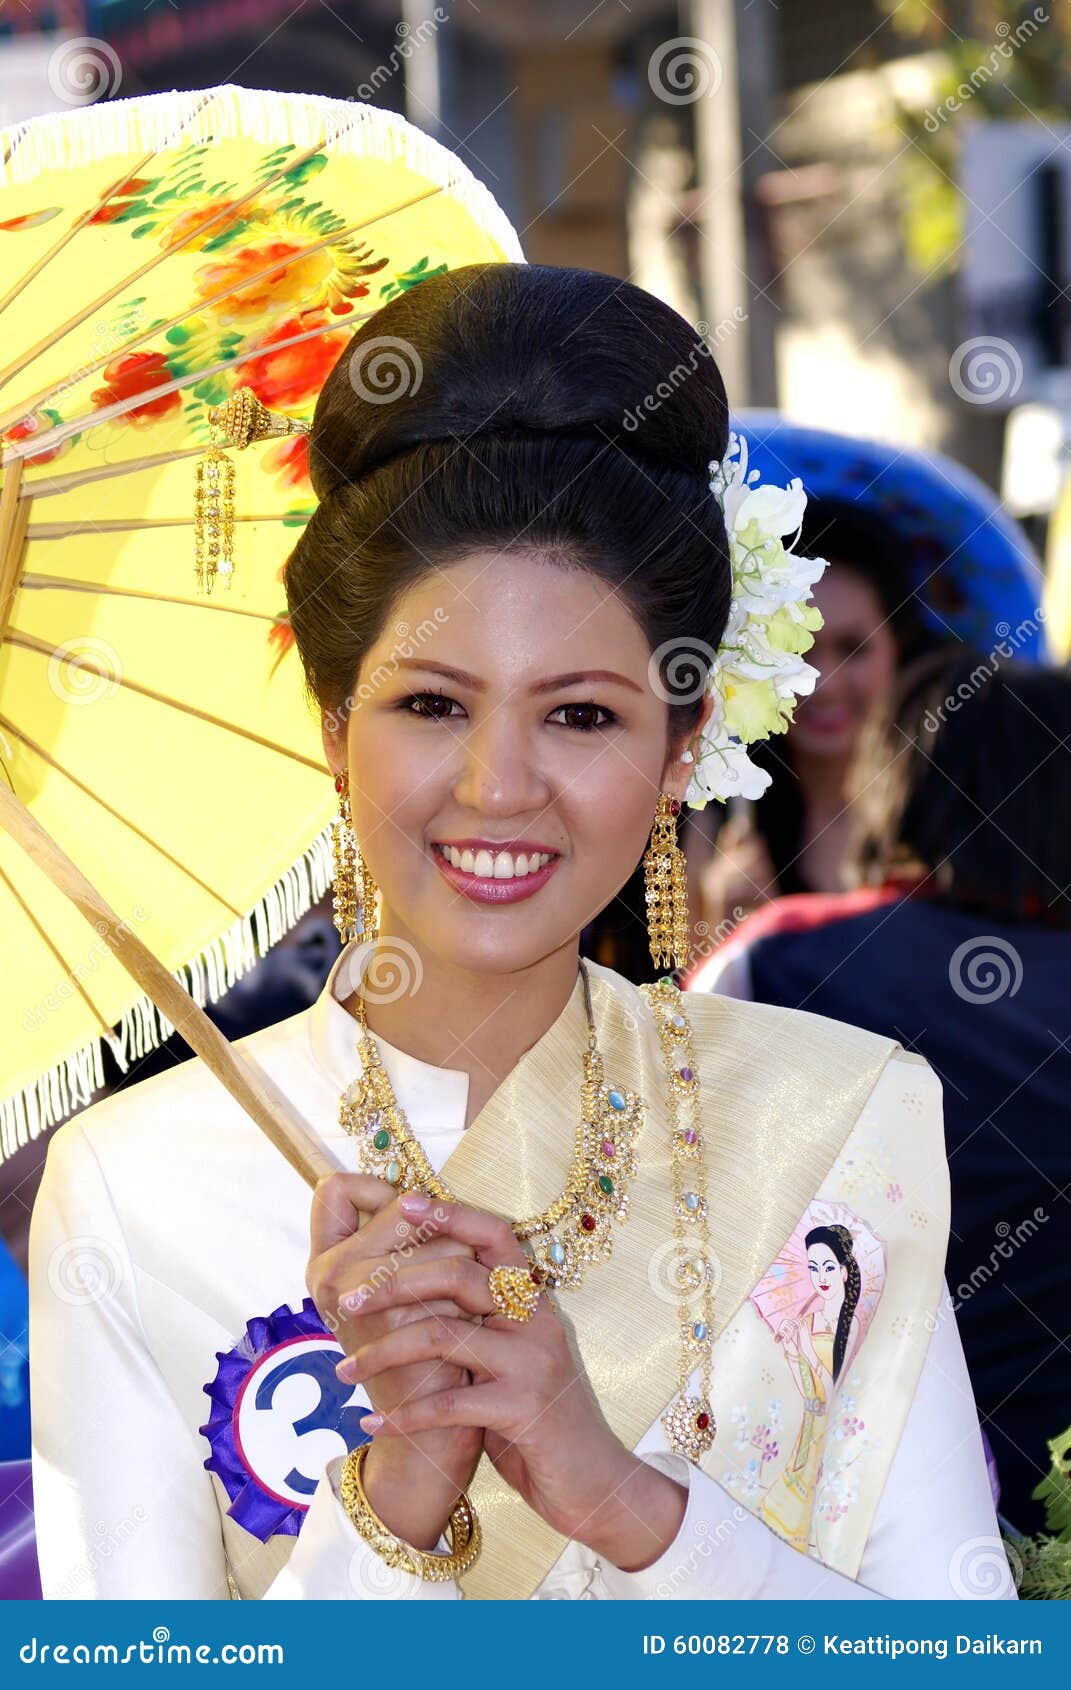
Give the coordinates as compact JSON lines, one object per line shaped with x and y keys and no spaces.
{"x":279,"y":1414}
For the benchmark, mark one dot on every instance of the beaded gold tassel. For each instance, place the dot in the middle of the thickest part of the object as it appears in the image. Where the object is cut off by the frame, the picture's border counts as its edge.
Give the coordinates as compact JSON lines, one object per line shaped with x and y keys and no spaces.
{"x":213,"y":518}
{"x":355,"y":890}
{"x":666,"y":887}
{"x":240,"y":420}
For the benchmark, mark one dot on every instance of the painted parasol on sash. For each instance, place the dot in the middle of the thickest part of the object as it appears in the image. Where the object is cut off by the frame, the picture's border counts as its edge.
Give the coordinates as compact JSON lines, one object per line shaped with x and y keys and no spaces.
{"x":159,"y":255}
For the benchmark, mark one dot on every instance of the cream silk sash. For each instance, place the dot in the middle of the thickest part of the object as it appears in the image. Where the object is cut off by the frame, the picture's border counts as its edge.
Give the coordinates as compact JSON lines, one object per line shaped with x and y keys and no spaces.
{"x":780,"y":1093}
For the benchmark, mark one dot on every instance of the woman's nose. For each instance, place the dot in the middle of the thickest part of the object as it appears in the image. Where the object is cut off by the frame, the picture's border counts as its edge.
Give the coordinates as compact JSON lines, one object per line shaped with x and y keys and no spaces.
{"x":499,"y":771}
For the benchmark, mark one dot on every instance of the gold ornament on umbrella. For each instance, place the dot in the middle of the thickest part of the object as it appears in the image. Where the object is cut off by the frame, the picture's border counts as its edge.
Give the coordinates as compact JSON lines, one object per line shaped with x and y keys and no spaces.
{"x":240,"y":420}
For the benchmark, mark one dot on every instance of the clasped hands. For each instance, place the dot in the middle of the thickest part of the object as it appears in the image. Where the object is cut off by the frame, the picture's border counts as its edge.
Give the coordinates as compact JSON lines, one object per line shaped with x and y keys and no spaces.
{"x":406,"y":1294}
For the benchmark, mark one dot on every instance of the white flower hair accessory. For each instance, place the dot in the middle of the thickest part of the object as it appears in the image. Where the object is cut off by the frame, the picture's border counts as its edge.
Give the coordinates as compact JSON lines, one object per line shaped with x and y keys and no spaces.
{"x":758,"y":670}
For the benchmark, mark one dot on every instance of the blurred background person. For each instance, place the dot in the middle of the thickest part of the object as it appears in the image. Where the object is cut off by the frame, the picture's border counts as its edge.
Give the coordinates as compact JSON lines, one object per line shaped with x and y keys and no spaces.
{"x":957,"y":941}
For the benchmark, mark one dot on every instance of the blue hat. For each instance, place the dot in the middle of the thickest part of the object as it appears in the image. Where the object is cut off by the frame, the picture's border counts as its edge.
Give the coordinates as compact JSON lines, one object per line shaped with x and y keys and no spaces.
{"x":976,"y":576}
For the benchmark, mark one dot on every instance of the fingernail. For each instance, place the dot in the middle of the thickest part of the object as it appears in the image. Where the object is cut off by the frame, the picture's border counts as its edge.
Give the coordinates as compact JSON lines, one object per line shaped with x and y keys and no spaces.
{"x":371,"y":1422}
{"x":353,"y":1299}
{"x":346,"y":1371}
{"x":412,"y":1203}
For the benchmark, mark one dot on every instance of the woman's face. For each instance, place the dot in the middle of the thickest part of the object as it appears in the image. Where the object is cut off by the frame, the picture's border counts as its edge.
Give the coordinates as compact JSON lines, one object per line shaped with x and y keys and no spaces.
{"x":828,"y":1276}
{"x":855,"y":653}
{"x":509,"y":753}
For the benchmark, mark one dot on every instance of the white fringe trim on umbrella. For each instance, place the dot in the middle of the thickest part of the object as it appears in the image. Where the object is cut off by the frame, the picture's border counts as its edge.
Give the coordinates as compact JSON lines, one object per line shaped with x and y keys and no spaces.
{"x":61,"y":141}
{"x":207,"y":977}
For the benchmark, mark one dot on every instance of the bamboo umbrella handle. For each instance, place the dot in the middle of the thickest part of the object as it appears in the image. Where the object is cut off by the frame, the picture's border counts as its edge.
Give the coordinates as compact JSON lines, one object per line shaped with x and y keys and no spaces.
{"x":248,"y":1084}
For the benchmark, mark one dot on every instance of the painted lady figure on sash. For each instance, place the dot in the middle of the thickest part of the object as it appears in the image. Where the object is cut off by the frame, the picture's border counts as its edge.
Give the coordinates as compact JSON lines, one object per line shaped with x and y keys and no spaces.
{"x":818,"y":1299}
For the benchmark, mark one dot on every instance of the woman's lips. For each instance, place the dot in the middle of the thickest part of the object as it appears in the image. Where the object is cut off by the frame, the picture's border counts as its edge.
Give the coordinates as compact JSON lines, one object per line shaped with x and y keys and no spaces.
{"x":485,"y":890}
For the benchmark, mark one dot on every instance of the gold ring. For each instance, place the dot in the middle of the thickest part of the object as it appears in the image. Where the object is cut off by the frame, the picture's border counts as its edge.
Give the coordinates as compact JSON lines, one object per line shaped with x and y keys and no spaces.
{"x":514,"y":1292}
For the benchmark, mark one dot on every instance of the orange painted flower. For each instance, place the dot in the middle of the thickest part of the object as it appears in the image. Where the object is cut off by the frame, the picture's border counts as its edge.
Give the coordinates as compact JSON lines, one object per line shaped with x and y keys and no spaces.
{"x":39,"y":422}
{"x":285,"y":379}
{"x":120,"y":197}
{"x":289,"y":461}
{"x":132,"y":373}
{"x":193,"y":219}
{"x":292,"y":276}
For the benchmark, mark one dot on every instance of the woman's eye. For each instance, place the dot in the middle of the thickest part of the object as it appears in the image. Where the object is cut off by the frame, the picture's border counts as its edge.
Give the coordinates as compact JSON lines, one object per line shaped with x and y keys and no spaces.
{"x":424,"y":699}
{"x":585,"y":710}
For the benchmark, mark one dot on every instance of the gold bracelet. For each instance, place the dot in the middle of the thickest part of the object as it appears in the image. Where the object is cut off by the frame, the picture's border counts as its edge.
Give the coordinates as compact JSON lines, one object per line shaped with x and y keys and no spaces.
{"x":463,"y":1527}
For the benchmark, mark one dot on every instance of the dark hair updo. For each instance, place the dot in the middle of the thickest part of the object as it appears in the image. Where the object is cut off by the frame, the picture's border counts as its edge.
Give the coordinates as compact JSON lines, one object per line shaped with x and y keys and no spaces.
{"x":519,"y":407}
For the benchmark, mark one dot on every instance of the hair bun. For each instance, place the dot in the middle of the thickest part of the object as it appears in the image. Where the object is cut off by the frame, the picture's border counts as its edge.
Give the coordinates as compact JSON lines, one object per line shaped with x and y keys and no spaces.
{"x":451,"y":360}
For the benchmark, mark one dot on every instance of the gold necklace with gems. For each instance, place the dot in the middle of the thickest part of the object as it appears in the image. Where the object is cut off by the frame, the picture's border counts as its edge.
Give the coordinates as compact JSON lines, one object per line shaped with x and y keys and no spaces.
{"x":689,"y":1421}
{"x":573,"y":1231}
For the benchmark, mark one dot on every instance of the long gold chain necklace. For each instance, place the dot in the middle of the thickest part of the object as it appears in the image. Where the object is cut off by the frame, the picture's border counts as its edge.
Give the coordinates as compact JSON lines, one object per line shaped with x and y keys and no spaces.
{"x":689,"y":1421}
{"x":576,"y":1229}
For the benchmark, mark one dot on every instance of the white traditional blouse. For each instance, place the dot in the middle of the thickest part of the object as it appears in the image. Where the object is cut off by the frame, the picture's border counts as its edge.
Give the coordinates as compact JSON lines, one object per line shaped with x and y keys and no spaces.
{"x":166,"y":1235}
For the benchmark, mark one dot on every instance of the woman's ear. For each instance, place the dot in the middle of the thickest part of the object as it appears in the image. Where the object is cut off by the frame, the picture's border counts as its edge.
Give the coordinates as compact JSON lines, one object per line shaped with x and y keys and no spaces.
{"x":677,"y":776}
{"x":333,"y":732}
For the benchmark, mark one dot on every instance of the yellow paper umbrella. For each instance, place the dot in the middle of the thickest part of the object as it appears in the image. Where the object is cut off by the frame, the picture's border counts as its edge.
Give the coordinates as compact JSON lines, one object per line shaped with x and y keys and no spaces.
{"x":158,"y":254}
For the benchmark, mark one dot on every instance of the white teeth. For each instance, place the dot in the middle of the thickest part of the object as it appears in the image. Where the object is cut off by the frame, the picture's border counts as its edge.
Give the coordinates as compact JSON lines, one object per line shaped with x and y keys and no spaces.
{"x":502,"y":866}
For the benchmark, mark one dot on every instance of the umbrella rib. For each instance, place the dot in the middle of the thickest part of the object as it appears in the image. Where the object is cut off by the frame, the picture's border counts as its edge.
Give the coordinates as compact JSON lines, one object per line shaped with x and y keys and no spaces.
{"x":29,"y":643}
{"x":124,"y":525}
{"x":61,"y":584}
{"x":46,"y":487}
{"x":60,"y":958}
{"x":155,"y":845}
{"x":87,"y":215}
{"x":224,"y":212}
{"x":56,"y":436}
{"x":14,"y":516}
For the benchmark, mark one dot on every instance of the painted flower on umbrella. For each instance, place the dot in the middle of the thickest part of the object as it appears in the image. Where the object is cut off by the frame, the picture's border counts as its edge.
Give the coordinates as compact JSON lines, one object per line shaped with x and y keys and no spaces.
{"x":133,"y":373}
{"x":40,"y":422}
{"x":285,"y":377}
{"x":289,"y":263}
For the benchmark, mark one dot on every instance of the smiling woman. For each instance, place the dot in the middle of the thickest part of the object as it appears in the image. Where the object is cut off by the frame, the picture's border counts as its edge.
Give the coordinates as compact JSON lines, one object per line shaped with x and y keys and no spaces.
{"x":561,"y":1335}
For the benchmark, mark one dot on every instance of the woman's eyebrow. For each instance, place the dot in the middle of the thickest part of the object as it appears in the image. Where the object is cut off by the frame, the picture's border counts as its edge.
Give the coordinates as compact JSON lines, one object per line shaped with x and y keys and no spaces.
{"x":466,"y":680}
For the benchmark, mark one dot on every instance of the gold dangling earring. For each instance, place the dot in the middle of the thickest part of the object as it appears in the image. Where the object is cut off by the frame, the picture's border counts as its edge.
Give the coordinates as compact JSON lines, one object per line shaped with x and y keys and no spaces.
{"x":666,"y":882}
{"x":355,"y":890}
